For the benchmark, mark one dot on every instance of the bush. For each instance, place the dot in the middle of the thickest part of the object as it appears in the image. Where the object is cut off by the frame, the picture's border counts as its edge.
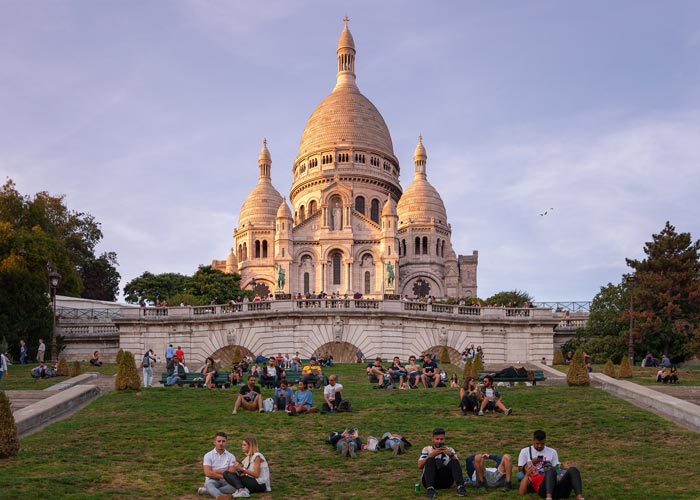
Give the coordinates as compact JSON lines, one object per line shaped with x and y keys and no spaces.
{"x":9,"y":440}
{"x":62,"y":370}
{"x":477,"y":366}
{"x":237,"y":355}
{"x":120,"y":354}
{"x":578,"y":373}
{"x":444,"y":356}
{"x":466,"y":372}
{"x":127,"y":374}
{"x":74,"y":369}
{"x":558,"y":358}
{"x":609,"y":369}
{"x":625,"y":370}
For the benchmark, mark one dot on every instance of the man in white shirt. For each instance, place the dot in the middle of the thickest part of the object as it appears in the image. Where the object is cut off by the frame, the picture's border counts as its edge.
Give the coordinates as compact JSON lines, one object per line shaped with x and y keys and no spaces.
{"x":216,"y":462}
{"x":538,"y":453}
{"x":40,"y":351}
{"x":332,"y":395}
{"x":3,"y":365}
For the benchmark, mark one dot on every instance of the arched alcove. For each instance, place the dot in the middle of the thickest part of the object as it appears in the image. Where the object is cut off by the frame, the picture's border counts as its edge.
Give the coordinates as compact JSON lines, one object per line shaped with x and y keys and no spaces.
{"x":342,"y":352}
{"x":225,"y":355}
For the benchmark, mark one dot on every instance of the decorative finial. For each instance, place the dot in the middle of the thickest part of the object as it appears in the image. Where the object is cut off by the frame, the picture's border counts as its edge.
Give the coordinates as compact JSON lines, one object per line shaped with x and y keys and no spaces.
{"x":420,"y":138}
{"x":346,"y":19}
{"x":265,"y":141}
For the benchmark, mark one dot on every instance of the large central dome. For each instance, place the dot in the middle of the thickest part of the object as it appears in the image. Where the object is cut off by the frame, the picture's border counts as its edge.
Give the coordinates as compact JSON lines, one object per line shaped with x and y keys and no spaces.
{"x":346,"y":117}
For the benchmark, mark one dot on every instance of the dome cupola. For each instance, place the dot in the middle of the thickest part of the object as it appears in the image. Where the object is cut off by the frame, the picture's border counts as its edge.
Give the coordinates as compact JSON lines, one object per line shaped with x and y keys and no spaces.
{"x":262,"y":203}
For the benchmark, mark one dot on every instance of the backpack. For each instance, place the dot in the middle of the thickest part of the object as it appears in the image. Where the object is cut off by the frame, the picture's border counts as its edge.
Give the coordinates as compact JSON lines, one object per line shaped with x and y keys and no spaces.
{"x":146,"y":363}
{"x":372,"y":443}
{"x":268,"y":404}
{"x":344,"y":405}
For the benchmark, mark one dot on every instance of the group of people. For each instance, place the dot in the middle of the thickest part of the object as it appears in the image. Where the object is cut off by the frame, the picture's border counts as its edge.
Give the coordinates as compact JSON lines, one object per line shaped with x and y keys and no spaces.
{"x":44,"y":371}
{"x":667,"y":375}
{"x":478,"y":398}
{"x":407,"y":375}
{"x":539,"y":470}
{"x":471,"y":352}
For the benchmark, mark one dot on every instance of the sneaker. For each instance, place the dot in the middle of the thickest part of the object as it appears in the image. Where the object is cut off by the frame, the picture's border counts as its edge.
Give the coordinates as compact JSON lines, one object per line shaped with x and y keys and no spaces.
{"x":481,"y":413}
{"x":506,"y":487}
{"x":262,"y":411}
{"x":234,"y":412}
{"x":402,"y":448}
{"x":351,"y":452}
{"x":202,"y":491}
{"x":461,"y":491}
{"x":482,"y":486}
{"x":244,"y":493}
{"x":344,"y":449}
{"x":430,"y":492}
{"x":509,"y":411}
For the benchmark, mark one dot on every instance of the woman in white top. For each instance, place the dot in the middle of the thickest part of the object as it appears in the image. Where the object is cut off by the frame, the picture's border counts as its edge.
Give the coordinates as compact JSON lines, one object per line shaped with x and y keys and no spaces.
{"x":252,"y":475}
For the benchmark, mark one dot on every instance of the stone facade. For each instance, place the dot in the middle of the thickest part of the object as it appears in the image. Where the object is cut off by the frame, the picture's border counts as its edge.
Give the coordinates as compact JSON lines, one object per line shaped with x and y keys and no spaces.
{"x":351,"y":227}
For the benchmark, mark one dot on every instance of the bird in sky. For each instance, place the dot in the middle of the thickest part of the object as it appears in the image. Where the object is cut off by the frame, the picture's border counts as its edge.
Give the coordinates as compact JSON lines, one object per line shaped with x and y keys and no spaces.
{"x":546,"y":211}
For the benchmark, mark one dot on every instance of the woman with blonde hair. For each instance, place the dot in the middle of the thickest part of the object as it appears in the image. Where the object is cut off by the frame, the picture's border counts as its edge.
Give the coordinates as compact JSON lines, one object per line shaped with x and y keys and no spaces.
{"x":209,"y":372}
{"x":252,"y":474}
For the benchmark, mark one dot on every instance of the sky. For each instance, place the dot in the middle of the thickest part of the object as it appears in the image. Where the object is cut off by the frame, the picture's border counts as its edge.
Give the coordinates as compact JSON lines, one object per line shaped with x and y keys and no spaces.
{"x":150,"y":116}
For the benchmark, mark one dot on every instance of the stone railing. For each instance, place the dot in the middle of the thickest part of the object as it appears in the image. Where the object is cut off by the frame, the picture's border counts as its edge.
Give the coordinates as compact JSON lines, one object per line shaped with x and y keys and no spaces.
{"x":70,"y":313}
{"x":317,"y":305}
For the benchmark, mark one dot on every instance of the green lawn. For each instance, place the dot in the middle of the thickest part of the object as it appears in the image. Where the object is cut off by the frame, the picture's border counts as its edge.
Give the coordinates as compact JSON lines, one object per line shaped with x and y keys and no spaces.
{"x":20,"y":377}
{"x":150,"y":444}
{"x":647,"y":376}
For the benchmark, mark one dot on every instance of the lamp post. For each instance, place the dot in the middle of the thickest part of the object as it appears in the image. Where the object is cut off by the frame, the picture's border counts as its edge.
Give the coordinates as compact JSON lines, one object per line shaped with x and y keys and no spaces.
{"x":630,"y":341}
{"x":54,"y":281}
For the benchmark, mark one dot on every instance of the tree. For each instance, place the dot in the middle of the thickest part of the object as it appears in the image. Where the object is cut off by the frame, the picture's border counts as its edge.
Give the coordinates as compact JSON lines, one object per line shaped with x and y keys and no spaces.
{"x":666,"y":294}
{"x":153,"y":288}
{"x":578,"y":373}
{"x":100,"y":277}
{"x":213,"y":284}
{"x":9,"y":439}
{"x":33,"y":232}
{"x":513,"y":298}
{"x":607,"y":330}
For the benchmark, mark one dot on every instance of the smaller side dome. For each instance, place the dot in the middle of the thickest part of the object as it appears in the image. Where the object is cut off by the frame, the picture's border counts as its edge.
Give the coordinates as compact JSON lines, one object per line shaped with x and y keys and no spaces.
{"x":265,"y":153}
{"x":389,"y":209}
{"x":231,"y":262}
{"x":284,"y":212}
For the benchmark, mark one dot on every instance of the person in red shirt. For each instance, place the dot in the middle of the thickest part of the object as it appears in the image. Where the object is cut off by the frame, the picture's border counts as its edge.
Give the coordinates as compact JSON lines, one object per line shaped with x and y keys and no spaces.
{"x":180,"y":354}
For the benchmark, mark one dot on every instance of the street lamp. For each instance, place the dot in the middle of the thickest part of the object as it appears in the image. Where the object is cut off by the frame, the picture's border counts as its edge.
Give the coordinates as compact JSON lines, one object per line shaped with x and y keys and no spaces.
{"x":54,"y":281}
{"x":630,"y":341}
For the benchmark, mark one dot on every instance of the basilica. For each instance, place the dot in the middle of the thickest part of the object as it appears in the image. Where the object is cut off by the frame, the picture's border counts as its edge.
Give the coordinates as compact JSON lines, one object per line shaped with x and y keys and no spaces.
{"x":348,"y":227}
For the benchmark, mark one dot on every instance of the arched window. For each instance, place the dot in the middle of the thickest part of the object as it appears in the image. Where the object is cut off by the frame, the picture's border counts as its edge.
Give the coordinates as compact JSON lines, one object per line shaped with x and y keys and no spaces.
{"x":416,"y":250}
{"x":437,"y":248}
{"x":402,"y":247}
{"x":425,"y":245}
{"x":306,"y":283}
{"x":245,"y":251}
{"x":367,"y":282}
{"x":240,"y":253}
{"x":264,"y":249}
{"x":336,"y":260}
{"x":312,"y":207}
{"x":360,"y":204}
{"x":302,"y":213}
{"x":374,"y":211}
{"x":443,"y":249}
{"x":257,"y":249}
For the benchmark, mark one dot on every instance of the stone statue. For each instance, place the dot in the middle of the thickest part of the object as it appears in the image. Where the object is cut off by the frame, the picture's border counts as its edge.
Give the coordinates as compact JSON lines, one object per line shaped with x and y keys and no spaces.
{"x":280,"y":276}
{"x":389,"y":274}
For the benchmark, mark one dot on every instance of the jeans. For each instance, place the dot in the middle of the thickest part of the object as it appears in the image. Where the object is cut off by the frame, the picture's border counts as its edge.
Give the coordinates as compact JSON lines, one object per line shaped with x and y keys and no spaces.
{"x":147,"y":377}
{"x":351,"y":443}
{"x":443,"y":477}
{"x":389,"y":443}
{"x":217,"y":487}
{"x":561,"y":486}
{"x":172,"y":379}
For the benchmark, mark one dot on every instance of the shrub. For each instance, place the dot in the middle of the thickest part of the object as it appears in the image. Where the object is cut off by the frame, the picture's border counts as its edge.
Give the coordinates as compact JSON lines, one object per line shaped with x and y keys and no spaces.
{"x":477,"y":366}
{"x":609,"y":369}
{"x":120,"y":354}
{"x":466,"y":372}
{"x":237,"y":355}
{"x":127,"y":374}
{"x":9,"y":440}
{"x":578,"y":374}
{"x":62,"y":370}
{"x":74,"y":369}
{"x":558,"y":358}
{"x":625,"y":370}
{"x":444,"y":356}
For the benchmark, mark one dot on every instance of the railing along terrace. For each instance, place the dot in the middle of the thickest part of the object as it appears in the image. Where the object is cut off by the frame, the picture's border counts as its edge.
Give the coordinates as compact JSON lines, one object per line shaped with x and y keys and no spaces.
{"x":90,"y":314}
{"x":300,"y":305}
{"x":572,"y":323}
{"x":572,"y":307}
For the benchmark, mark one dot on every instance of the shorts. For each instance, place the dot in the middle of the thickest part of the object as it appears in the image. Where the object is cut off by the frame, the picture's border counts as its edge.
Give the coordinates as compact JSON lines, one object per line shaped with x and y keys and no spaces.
{"x":493,"y":477}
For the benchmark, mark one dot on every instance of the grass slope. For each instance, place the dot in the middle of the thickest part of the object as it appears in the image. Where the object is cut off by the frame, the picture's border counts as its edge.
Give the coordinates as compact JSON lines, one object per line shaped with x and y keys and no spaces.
{"x":150,"y":444}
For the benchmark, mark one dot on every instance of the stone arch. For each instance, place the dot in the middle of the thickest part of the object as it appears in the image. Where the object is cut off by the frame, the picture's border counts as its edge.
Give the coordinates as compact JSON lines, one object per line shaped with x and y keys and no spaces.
{"x":436,"y":284}
{"x":455,"y":355}
{"x":225,"y":355}
{"x":342,"y":352}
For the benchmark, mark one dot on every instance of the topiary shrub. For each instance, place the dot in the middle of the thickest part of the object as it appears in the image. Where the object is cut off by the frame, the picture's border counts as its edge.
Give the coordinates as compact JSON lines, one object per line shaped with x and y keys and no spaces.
{"x":609,"y":369}
{"x":120,"y":353}
{"x":558,"y":358}
{"x":62,"y":369}
{"x":127,"y":374}
{"x":9,"y":440}
{"x":578,"y":374}
{"x":74,"y":369}
{"x":625,"y":370}
{"x":477,"y":366}
{"x":466,"y":372}
{"x":444,"y":356}
{"x":237,"y":355}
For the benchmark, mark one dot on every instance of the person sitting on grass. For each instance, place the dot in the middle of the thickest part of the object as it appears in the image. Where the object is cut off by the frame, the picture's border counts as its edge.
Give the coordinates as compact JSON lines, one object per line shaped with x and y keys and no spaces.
{"x":39,"y":371}
{"x":302,"y":400}
{"x":249,"y":397}
{"x":209,"y":373}
{"x":429,"y":374}
{"x":312,"y":374}
{"x":332,"y":395}
{"x":661,"y":375}
{"x":454,"y":381}
{"x":672,"y":377}
{"x":491,"y":477}
{"x":440,"y":466}
{"x":283,"y":396}
{"x":375,"y":369}
{"x":95,"y":360}
{"x":538,"y":467}
{"x":413,"y":372}
{"x":348,"y":443}
{"x":216,"y":463}
{"x":398,"y":371}
{"x":175,"y":373}
{"x":252,"y":475}
{"x":491,"y":399}
{"x":468,"y":396}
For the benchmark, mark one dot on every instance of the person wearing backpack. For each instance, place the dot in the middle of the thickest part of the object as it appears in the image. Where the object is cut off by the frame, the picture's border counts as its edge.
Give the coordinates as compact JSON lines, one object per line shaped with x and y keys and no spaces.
{"x":147,"y":364}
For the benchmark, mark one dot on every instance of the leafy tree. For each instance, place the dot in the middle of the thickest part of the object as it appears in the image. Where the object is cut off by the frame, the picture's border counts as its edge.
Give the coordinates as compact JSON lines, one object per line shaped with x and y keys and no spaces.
{"x":213,"y":284}
{"x":607,"y":330}
{"x":666,"y":294}
{"x":153,"y":288}
{"x":100,"y":277}
{"x":513,"y":298}
{"x":34,"y":231}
